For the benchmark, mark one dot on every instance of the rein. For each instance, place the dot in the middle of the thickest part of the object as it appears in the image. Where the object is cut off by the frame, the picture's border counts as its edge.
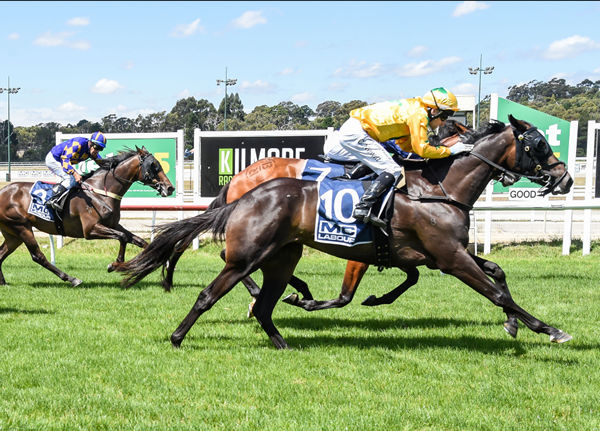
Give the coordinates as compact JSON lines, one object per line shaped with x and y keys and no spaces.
{"x":527,"y":147}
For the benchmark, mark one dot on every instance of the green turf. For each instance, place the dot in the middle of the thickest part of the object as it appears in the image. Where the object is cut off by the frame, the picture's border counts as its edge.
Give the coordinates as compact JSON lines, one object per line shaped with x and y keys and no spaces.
{"x":99,"y":357}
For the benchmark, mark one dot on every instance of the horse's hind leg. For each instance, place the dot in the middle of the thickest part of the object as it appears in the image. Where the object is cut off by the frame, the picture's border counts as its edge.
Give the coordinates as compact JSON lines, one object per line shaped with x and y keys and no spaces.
{"x":227,"y":278}
{"x":276,"y":274}
{"x":493,"y":270}
{"x":26,"y":235}
{"x":9,"y":245}
{"x":412,"y":276}
{"x":352,"y":276}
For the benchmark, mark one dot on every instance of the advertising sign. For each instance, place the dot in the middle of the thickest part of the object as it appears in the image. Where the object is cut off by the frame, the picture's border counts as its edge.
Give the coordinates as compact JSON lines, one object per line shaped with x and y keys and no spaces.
{"x":554,"y":129}
{"x":597,"y":193}
{"x":163,"y":149}
{"x":221,"y":157}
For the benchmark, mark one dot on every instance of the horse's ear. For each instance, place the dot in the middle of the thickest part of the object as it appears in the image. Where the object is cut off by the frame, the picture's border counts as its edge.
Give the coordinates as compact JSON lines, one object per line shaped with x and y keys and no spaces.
{"x":137,"y":149}
{"x":517,"y":124}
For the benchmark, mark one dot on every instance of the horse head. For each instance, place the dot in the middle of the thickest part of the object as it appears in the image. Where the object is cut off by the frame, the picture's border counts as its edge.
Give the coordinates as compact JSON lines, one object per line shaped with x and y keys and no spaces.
{"x":536,"y":160}
{"x":151,"y":173}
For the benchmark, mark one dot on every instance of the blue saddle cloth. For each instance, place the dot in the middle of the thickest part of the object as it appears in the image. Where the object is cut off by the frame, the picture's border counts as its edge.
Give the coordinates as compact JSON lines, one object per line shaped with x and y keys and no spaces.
{"x":334,"y":223}
{"x":40,"y":193}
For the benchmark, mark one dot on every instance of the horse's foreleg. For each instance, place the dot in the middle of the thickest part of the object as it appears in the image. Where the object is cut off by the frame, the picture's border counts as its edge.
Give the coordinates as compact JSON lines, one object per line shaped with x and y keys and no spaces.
{"x":412,"y":276}
{"x":466,"y":269}
{"x":100,"y":231}
{"x":491,"y":269}
{"x":352,"y":277}
{"x":229,"y":277}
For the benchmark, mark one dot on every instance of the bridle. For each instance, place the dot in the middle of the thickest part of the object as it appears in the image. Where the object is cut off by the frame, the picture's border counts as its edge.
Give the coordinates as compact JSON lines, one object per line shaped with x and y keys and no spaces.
{"x":532,"y":152}
{"x":147,"y":170}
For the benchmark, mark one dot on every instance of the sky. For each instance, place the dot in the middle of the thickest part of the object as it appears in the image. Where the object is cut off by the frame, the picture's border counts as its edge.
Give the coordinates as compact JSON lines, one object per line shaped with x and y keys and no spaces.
{"x":87,"y":60}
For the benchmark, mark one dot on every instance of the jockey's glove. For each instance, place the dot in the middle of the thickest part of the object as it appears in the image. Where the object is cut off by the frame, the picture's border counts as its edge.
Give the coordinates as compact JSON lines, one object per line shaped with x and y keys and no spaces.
{"x":460,"y":148}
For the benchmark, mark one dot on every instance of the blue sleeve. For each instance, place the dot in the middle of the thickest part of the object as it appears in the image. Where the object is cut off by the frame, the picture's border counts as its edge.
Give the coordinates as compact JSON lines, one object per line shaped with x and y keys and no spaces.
{"x":391,"y":147}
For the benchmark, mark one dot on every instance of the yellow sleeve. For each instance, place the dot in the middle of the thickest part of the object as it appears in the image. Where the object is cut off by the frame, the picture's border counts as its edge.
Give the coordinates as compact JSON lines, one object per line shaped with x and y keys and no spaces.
{"x":420,"y":142}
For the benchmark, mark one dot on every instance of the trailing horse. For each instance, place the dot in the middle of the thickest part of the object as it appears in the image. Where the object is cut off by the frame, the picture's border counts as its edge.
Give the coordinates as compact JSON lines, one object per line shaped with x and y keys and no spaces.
{"x":92,"y":211}
{"x":267,"y":228}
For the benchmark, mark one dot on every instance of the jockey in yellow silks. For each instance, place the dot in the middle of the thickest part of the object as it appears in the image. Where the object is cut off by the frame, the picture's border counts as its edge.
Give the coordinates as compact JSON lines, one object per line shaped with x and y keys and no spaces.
{"x":407,"y":122}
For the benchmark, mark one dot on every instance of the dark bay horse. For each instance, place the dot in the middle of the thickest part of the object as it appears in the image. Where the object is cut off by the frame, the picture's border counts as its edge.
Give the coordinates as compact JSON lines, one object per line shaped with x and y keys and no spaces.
{"x":267,"y":228}
{"x":92,"y":211}
{"x":267,"y":169}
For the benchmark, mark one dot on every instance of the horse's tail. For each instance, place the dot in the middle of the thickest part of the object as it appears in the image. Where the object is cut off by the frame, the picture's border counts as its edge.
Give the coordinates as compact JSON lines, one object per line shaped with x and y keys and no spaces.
{"x":175,"y":237}
{"x":221,"y":199}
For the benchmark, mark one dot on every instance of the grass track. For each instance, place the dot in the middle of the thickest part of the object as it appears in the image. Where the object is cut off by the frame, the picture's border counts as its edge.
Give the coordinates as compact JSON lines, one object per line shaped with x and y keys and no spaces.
{"x":99,"y":357}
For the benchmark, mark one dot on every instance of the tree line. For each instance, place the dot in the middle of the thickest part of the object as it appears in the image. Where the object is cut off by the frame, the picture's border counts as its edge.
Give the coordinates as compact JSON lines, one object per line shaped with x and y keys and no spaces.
{"x":31,"y":144}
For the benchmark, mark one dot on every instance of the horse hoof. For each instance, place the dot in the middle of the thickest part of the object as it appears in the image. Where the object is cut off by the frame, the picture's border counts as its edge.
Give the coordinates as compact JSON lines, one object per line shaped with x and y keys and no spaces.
{"x":511,"y":329}
{"x":370,"y":301}
{"x":560,"y":337}
{"x":76,"y":282}
{"x":110,"y":267}
{"x":292,"y":299}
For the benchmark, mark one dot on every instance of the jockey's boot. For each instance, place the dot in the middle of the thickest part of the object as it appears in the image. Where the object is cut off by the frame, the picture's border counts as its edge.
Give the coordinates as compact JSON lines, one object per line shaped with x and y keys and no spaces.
{"x":363,"y":209}
{"x":358,"y":171}
{"x":56,"y":202}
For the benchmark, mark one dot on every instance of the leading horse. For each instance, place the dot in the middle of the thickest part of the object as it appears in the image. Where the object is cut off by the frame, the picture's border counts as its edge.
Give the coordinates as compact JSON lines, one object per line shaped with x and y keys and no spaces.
{"x":92,"y":211}
{"x":267,"y":228}
{"x":267,"y":169}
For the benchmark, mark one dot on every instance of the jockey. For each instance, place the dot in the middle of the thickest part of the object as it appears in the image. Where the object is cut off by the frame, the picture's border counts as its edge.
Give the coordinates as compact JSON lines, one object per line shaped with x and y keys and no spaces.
{"x":61,"y":158}
{"x":406,"y":121}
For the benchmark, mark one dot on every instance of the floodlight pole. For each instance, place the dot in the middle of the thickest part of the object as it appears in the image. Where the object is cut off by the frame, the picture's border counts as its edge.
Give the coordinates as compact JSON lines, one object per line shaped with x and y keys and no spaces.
{"x":475,"y":71}
{"x":226,"y":82}
{"x":9,"y":91}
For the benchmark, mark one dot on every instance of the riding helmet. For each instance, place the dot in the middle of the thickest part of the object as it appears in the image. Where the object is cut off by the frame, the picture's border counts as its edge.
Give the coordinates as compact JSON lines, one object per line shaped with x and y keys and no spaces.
{"x":441,"y":99}
{"x":98,"y":139}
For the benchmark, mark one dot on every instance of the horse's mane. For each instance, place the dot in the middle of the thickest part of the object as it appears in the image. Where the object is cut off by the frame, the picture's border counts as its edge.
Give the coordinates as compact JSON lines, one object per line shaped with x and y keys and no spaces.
{"x":491,"y":128}
{"x":111,"y":162}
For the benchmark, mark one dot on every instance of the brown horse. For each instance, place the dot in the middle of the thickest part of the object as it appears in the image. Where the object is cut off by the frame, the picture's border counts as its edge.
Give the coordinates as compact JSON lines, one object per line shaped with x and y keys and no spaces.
{"x":273,"y":167}
{"x":92,"y":211}
{"x":267,"y":228}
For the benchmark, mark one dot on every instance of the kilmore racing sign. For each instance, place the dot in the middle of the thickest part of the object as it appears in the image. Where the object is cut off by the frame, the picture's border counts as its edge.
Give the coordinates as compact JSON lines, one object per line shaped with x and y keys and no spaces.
{"x":224,"y":154}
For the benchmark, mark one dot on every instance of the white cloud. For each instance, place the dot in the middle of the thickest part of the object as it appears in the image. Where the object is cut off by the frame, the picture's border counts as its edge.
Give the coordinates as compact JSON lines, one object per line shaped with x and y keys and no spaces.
{"x":570,"y":47}
{"x":128,"y":65}
{"x":465,"y":88}
{"x":50,"y":39}
{"x":13,"y":36}
{"x":360,"y":69}
{"x":249,"y":19}
{"x":468,"y":7}
{"x":417,"y":51}
{"x":301,"y":97}
{"x":257,"y":86}
{"x":185,"y":30}
{"x":288,"y":71}
{"x":426,"y":67}
{"x":70,"y":108}
{"x":79,"y":21}
{"x":106,"y":86}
